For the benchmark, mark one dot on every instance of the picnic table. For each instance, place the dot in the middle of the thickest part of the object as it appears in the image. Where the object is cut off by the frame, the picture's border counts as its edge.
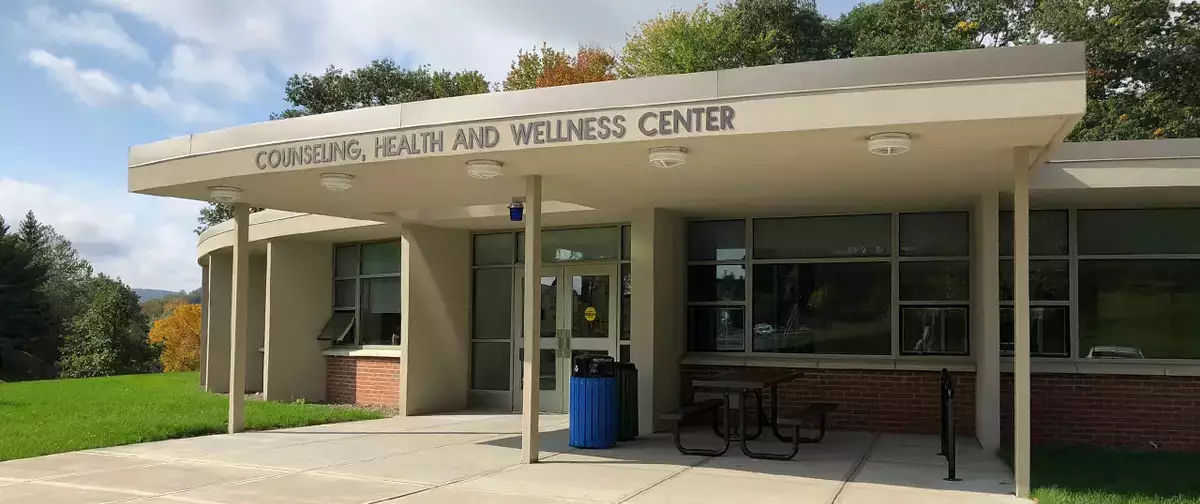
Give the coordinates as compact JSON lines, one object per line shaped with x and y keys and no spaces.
{"x":744,"y":382}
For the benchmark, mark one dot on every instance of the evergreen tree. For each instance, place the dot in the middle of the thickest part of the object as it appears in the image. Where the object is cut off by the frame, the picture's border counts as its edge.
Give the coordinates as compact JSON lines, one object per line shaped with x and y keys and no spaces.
{"x":110,"y":336}
{"x":24,"y":324}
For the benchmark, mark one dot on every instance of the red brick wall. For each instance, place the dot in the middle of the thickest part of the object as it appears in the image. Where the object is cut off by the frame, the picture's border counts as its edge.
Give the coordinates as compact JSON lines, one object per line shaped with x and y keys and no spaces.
{"x":362,"y":380}
{"x":869,"y":400}
{"x":1109,"y":410}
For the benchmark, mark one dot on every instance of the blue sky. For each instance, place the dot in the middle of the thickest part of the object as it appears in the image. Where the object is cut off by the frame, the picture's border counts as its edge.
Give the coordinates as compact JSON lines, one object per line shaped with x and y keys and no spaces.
{"x":82,"y":80}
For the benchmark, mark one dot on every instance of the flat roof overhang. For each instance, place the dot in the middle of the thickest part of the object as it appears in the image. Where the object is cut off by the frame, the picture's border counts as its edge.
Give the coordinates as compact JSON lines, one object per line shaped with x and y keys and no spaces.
{"x":763,"y":139}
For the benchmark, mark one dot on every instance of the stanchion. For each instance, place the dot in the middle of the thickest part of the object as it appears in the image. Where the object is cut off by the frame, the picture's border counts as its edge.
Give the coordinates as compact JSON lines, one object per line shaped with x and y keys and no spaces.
{"x":948,"y":438}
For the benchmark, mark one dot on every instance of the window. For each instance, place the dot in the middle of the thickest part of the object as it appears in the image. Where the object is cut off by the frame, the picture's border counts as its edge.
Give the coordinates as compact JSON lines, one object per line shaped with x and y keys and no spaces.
{"x":831,"y":308}
{"x":716,"y":286}
{"x":935,"y":283}
{"x":817,"y":237}
{"x":586,"y":244}
{"x":1139,"y":284}
{"x":1049,"y":284}
{"x":1139,"y":308}
{"x":366,"y":295}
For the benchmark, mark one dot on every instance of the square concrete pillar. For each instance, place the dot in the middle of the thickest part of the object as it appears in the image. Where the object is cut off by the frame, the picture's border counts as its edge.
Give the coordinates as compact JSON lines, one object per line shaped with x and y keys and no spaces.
{"x":298,"y":303}
{"x":985,"y":318}
{"x":435,"y":293}
{"x":204,"y":323}
{"x":216,"y":315}
{"x":658,"y":251}
{"x":256,"y":323}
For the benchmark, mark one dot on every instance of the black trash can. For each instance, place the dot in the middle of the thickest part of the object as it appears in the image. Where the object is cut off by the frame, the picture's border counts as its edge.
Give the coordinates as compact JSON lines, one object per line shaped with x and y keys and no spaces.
{"x":627,"y":401}
{"x":592,"y":419}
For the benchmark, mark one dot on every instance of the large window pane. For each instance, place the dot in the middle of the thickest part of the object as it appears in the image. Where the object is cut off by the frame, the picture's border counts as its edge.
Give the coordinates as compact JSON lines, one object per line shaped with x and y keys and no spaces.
{"x":716,"y":329}
{"x":822,"y":308}
{"x":346,"y":264}
{"x":1136,"y":308}
{"x":491,"y":306}
{"x":935,"y":281}
{"x":626,"y":246}
{"x":809,"y":237}
{"x":717,"y":240}
{"x":343,"y":293}
{"x":1158,"y":231}
{"x":722,"y":282}
{"x":1049,"y":331}
{"x":492,"y":249}
{"x":565,"y":245}
{"x":489,"y":365}
{"x":1048,"y":234}
{"x":935,"y":234}
{"x":380,"y":258}
{"x":938,"y":330}
{"x":1048,"y":280}
{"x":380,"y":313}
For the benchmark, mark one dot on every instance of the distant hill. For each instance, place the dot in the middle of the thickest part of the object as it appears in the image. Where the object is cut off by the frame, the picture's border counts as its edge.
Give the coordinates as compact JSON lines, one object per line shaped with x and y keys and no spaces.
{"x":149,"y":294}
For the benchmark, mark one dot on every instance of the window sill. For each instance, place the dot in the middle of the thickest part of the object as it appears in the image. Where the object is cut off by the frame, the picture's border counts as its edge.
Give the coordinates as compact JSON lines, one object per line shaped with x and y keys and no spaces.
{"x":1142,"y":367}
{"x":365,"y":351}
{"x":903,"y":363}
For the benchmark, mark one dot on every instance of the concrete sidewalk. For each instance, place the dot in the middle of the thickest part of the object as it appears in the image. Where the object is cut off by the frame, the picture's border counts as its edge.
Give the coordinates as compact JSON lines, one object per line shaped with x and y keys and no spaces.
{"x":474,"y":458}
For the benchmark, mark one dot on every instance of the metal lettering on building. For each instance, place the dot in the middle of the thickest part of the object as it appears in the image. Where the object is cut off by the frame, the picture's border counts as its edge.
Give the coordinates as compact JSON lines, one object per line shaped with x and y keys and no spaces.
{"x":587,"y":129}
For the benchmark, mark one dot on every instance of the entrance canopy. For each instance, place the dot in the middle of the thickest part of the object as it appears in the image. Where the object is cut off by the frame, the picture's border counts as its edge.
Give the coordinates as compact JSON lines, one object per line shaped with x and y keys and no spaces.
{"x":780,"y":138}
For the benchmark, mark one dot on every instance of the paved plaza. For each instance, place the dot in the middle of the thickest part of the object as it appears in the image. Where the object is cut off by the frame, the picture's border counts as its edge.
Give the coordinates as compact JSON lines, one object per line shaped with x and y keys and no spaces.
{"x":473,"y":458}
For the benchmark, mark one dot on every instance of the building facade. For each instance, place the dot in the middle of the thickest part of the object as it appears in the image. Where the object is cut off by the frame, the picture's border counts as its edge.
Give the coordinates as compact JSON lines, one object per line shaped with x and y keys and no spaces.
{"x":872,"y":221}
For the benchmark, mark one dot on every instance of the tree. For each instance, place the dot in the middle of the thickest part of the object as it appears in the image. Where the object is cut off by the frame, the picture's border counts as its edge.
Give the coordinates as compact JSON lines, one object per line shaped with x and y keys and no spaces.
{"x":216,"y":213}
{"x":109,"y":337}
{"x":702,"y":40}
{"x":795,"y":27}
{"x":550,"y":67}
{"x":381,"y":82}
{"x":29,"y":232}
{"x":23,"y":321}
{"x":178,"y":334}
{"x":1143,"y":64}
{"x":155,"y":309}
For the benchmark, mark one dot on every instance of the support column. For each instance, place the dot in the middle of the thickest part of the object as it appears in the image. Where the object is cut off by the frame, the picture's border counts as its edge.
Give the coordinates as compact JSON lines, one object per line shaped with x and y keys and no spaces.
{"x":238,"y":321}
{"x":658,"y":339}
{"x":533,"y":320}
{"x":435,"y":276}
{"x":299,"y":303}
{"x":204,"y":308}
{"x":1021,"y":321}
{"x":986,"y":320}
{"x":217,"y":316}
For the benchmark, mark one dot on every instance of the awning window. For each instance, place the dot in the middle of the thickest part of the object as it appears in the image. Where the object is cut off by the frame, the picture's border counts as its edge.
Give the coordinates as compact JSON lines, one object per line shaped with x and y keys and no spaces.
{"x":339,"y":327}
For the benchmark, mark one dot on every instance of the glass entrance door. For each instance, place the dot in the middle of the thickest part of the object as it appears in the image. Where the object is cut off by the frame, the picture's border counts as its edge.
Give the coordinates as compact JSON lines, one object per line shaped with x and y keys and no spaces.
{"x":578,"y":316}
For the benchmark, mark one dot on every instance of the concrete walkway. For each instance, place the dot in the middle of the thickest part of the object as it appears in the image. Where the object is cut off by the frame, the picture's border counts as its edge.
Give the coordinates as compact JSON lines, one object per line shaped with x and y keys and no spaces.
{"x":473,"y":458}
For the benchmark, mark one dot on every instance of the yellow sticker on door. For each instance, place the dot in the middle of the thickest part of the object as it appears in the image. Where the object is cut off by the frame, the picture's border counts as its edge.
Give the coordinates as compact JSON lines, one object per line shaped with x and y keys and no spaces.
{"x":590,"y":314}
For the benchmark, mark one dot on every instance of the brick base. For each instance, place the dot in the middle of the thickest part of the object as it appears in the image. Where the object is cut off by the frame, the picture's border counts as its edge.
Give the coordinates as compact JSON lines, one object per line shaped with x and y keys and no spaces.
{"x":362,"y":380}
{"x":1109,"y":410}
{"x":869,"y":400}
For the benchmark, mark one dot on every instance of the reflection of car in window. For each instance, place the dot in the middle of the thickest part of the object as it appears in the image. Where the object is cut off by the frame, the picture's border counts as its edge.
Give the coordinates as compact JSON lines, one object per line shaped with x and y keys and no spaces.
{"x":1114,"y":352}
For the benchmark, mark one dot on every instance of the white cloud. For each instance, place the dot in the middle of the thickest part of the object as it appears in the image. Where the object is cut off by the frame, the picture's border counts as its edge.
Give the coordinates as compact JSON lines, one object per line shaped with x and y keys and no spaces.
{"x":452,"y":34}
{"x":185,"y":110}
{"x":91,"y":86}
{"x":220,"y":69}
{"x":84,"y":29}
{"x":145,"y":241}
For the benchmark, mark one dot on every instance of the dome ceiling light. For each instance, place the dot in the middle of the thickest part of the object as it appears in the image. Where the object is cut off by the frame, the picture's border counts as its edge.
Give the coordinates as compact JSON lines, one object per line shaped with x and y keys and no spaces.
{"x":668,"y":157}
{"x":484,"y":169}
{"x":889,"y":144}
{"x":225,"y":194}
{"x":337,"y":182}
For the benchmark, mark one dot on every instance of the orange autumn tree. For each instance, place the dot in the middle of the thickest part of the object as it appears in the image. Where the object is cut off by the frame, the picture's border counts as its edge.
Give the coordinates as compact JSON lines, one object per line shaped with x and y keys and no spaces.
{"x":547,"y":67}
{"x":178,"y":333}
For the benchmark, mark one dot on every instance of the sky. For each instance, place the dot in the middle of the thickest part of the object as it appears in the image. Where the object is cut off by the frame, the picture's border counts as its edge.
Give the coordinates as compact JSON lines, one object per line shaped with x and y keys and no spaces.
{"x":82,"y":80}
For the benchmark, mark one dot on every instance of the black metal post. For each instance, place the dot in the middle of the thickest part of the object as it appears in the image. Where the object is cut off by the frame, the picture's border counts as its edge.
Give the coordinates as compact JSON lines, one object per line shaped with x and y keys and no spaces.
{"x":948,"y":437}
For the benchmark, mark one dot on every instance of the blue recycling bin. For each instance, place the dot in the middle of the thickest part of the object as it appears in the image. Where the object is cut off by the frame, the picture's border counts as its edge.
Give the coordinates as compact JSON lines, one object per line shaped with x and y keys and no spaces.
{"x":592,"y":418}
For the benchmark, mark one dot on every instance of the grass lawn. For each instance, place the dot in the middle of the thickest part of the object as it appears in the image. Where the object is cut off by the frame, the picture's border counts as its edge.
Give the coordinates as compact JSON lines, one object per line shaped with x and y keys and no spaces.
{"x":52,"y":416}
{"x":1070,"y":475}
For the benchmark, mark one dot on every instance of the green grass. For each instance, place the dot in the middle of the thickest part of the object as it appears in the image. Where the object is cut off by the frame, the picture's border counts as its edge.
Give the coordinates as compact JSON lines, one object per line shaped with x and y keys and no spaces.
{"x":53,"y":416}
{"x":1079,"y":475}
